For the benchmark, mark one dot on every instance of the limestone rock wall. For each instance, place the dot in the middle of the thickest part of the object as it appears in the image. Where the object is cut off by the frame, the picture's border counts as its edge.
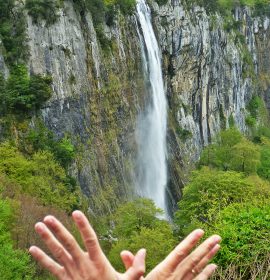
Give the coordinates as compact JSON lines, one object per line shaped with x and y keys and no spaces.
{"x":99,"y":88}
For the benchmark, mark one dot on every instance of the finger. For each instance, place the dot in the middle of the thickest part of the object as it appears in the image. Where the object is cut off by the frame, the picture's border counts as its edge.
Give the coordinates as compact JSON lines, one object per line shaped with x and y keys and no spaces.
{"x":183,"y":249}
{"x":196,"y":256}
{"x":53,"y":245}
{"x":127,"y":259}
{"x":65,"y":237}
{"x":207,"y":272}
{"x":88,"y":235}
{"x":202,"y":264}
{"x":138,"y":267}
{"x":47,"y":262}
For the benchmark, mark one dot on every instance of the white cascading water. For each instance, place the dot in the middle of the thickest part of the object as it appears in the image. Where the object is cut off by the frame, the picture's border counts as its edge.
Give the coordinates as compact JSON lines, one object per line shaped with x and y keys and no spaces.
{"x":152,"y":123}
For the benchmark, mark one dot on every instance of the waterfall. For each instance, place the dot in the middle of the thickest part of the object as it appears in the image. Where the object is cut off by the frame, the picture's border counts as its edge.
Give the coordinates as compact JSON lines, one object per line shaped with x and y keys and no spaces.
{"x":152,"y":122}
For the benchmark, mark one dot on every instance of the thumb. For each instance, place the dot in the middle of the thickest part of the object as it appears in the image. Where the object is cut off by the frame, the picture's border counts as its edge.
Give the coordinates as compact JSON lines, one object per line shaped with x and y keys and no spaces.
{"x":137,"y":270}
{"x":127,"y":259}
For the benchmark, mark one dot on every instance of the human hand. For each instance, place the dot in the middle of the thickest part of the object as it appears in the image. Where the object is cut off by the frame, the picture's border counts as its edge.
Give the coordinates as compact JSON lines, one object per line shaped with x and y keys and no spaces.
{"x":180,"y":264}
{"x":75,"y":264}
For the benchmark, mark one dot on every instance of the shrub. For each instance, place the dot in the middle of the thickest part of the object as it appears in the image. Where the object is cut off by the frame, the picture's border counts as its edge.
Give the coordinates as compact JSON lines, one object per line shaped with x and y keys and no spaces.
{"x":209,"y":191}
{"x":245,"y":239}
{"x":22,"y":93}
{"x":41,"y":138}
{"x":232,"y":152}
{"x":137,"y":226}
{"x":14,"y":264}
{"x":39,"y":176}
{"x":43,"y":10}
{"x":13,"y":32}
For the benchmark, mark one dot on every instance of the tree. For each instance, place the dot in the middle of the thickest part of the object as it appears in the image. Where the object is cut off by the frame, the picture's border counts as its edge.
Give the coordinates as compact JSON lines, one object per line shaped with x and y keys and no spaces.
{"x":158,"y":242}
{"x":264,"y":168}
{"x":219,"y":154}
{"x":137,"y":226}
{"x":23,"y":93}
{"x":209,"y":191}
{"x":245,"y":157}
{"x":41,"y":176}
{"x":244,"y":228}
{"x":14,"y":264}
{"x":130,"y":217}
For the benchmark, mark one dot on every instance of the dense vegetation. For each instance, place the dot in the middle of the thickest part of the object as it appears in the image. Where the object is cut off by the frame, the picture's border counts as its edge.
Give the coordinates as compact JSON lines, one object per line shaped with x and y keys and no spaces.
{"x":259,"y":7}
{"x":229,"y":194}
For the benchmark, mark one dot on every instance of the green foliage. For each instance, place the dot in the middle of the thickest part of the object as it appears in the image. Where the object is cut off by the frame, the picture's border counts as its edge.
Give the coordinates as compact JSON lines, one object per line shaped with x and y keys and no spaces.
{"x":232,"y":152}
{"x":12,"y":32}
{"x":158,"y":242}
{"x":245,"y":231}
{"x":250,"y":121}
{"x":259,"y":7}
{"x":132,"y":216}
{"x":231,"y":121}
{"x":41,"y":138}
{"x":254,"y":106}
{"x":264,"y":168}
{"x":257,"y":112}
{"x":14,"y":264}
{"x":137,"y":226}
{"x":210,"y":190}
{"x":184,"y":134}
{"x":104,"y":11}
{"x":39,"y":176}
{"x":43,"y":10}
{"x":127,"y":7}
{"x":162,"y":2}
{"x":23,"y":93}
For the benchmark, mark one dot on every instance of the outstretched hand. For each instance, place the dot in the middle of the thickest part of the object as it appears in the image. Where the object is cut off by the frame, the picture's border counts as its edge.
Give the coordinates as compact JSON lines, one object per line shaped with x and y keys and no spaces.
{"x":180,"y":263}
{"x":72,"y":262}
{"x":75,"y":264}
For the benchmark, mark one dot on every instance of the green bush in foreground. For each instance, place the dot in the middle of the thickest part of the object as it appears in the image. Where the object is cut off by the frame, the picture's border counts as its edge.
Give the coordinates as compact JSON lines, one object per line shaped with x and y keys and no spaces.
{"x":245,"y":231}
{"x":137,"y":226}
{"x":41,"y":176}
{"x":210,"y":191}
{"x":14,"y":264}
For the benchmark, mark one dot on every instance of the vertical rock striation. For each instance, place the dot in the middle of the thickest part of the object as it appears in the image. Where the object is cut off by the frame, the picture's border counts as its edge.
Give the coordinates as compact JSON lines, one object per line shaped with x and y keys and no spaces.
{"x":99,"y":88}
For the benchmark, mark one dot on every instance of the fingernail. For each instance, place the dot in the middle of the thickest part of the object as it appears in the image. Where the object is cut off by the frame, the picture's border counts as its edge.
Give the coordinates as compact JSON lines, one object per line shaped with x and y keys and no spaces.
{"x":39,"y":227}
{"x":49,"y":219}
{"x":32,"y":249}
{"x":199,"y":232}
{"x":217,"y":239}
{"x":214,"y":267}
{"x":143,"y":252}
{"x":76,"y":215}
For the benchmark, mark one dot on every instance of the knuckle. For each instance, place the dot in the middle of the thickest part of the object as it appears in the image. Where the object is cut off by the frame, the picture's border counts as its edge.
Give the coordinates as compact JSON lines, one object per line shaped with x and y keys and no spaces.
{"x":141,"y":270}
{"x":209,"y":246}
{"x":181,"y":253}
{"x":58,"y":252}
{"x":194,"y":261}
{"x":90,"y":241}
{"x":70,"y":243}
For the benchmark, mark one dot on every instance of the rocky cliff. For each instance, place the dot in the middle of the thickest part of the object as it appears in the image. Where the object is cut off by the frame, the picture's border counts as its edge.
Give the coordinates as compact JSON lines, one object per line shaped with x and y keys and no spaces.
{"x":210,"y":74}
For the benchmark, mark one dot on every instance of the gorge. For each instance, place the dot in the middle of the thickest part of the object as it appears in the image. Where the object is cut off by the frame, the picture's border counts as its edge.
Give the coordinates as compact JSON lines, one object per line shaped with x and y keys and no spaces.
{"x":122,"y":108}
{"x":210,"y":75}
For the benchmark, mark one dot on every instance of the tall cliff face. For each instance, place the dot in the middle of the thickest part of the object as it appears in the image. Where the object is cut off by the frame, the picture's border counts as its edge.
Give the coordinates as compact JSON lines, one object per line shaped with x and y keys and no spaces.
{"x":211,"y":77}
{"x":96,"y":96}
{"x":99,"y":89}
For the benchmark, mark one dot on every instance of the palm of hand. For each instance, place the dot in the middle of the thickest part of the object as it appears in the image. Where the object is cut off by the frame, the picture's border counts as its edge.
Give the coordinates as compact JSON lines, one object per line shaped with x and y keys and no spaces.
{"x":73,"y":262}
{"x":76,"y":264}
